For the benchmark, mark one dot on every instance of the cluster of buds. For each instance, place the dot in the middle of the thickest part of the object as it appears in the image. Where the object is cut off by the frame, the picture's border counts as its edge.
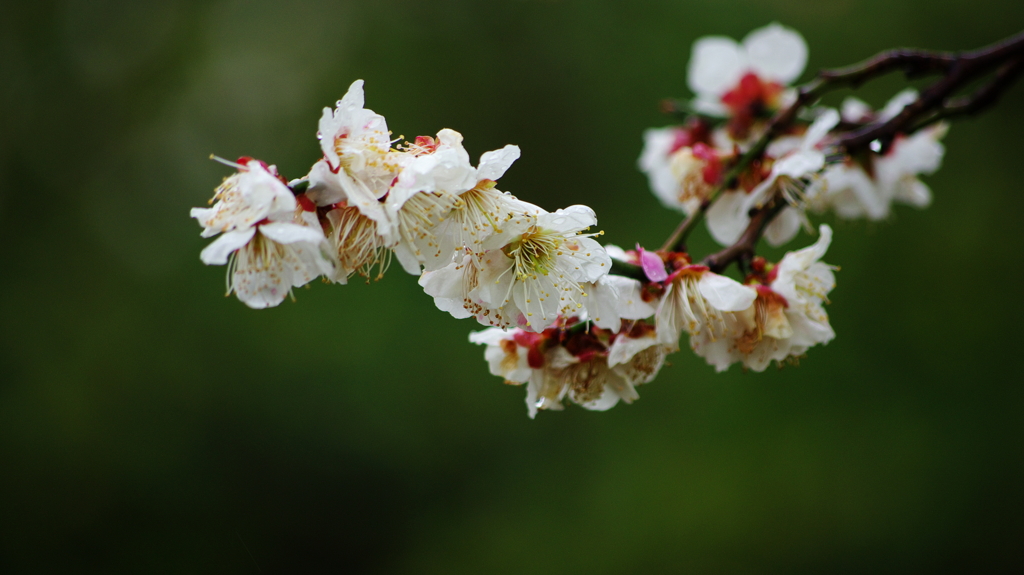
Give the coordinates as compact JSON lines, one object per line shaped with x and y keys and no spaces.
{"x":574,"y":320}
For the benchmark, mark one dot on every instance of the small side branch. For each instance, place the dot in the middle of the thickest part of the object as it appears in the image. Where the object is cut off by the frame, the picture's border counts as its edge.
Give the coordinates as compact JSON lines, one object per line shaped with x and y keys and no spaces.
{"x":981,"y":99}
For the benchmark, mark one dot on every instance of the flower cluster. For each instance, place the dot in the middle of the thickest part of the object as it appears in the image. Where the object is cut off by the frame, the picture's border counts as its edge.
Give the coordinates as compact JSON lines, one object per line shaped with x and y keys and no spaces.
{"x":775,"y":313}
{"x":482,"y":252}
{"x":739,"y":88}
{"x":576,"y":321}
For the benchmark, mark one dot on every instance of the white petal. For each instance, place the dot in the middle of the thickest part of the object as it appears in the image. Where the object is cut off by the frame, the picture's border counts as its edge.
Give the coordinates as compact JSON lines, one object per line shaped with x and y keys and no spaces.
{"x":897,"y":103}
{"x":608,"y":399}
{"x":326,"y":131}
{"x":217,"y":253}
{"x":614,"y":251}
{"x":354,"y":97}
{"x":406,"y":257}
{"x":855,"y":110}
{"x":289,"y":233}
{"x":783,"y":228}
{"x":630,"y":304}
{"x":710,"y":106}
{"x":655,"y":162}
{"x":776,"y":53}
{"x":362,"y":198}
{"x":571,"y":219}
{"x":450,"y":138}
{"x":802,"y":259}
{"x":807,"y":332}
{"x":591,"y":258}
{"x":601,"y":303}
{"x":915,"y":193}
{"x":784,"y":145}
{"x":719,"y":352}
{"x":624,"y":348}
{"x":495,"y":163}
{"x":801,"y":164}
{"x":489,"y":336}
{"x":725,"y":293}
{"x":324,"y":186}
{"x":821,"y":126}
{"x":447,"y":287}
{"x":727,"y":217}
{"x":540,"y":309}
{"x":203,"y":217}
{"x":853,"y":193}
{"x":716,"y":65}
{"x":657,"y":146}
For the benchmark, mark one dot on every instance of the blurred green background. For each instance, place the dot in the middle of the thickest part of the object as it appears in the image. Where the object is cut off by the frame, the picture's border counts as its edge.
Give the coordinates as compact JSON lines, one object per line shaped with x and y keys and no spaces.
{"x":149,"y":425}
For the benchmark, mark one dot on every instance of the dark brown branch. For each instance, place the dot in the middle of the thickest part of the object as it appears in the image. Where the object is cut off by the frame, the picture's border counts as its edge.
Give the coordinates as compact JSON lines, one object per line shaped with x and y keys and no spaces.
{"x":981,"y":99}
{"x":964,"y":68}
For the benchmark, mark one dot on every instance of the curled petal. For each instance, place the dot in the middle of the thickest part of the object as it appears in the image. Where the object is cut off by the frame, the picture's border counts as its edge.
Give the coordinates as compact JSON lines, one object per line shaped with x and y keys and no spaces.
{"x":802,"y":259}
{"x":495,"y":163}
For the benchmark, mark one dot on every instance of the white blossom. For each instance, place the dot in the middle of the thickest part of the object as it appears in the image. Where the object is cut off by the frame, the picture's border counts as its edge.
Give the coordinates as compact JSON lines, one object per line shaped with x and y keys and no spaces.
{"x":542,"y":272}
{"x":909,"y":157}
{"x":266,"y":261}
{"x":798,"y":160}
{"x":868,"y":187}
{"x":593,"y":368}
{"x":786,"y":319}
{"x":356,"y":143}
{"x":252,"y":194}
{"x":774,"y":54}
{"x":699,"y":301}
{"x":680,"y":175}
{"x":443,"y":207}
{"x":484,"y":217}
{"x":614,"y":298}
{"x":422,"y":196}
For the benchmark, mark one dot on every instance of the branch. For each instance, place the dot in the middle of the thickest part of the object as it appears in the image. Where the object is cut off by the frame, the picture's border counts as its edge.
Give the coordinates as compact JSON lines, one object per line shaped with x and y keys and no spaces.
{"x":964,"y":68}
{"x":980,"y":99}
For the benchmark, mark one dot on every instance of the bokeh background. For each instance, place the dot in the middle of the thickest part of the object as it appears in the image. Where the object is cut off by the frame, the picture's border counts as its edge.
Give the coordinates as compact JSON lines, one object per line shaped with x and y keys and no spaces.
{"x":150,"y":425}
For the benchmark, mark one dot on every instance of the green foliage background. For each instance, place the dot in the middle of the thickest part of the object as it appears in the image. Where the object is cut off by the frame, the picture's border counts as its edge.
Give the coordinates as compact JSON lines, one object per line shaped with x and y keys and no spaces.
{"x":149,"y":425}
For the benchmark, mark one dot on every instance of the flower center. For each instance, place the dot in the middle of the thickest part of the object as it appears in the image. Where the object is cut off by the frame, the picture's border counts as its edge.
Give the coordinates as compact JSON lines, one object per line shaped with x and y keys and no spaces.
{"x":359,"y":246}
{"x":534,"y":253}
